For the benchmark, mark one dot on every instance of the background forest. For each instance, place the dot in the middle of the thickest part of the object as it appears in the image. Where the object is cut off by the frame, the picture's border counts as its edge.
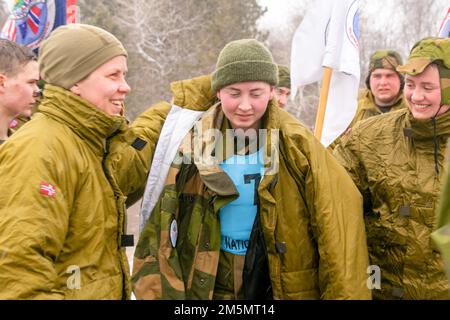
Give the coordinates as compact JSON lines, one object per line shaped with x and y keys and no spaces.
{"x":178,"y":39}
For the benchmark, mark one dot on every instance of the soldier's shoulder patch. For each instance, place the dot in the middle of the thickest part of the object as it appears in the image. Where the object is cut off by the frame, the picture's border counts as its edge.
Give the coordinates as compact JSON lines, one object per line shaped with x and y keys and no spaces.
{"x":46,"y":189}
{"x":173,"y":233}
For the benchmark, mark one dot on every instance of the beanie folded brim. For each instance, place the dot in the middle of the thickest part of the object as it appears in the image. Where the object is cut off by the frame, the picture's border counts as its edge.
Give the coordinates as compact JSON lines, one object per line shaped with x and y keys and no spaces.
{"x":244,"y":71}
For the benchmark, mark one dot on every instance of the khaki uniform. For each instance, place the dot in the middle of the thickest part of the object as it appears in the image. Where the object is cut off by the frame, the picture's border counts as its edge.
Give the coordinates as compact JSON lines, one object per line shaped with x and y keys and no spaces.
{"x":61,"y":212}
{"x":396,"y":162}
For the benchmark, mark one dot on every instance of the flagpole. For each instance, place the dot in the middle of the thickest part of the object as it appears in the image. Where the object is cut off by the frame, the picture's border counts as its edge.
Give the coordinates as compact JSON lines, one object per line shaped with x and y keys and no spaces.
{"x":327,"y":72}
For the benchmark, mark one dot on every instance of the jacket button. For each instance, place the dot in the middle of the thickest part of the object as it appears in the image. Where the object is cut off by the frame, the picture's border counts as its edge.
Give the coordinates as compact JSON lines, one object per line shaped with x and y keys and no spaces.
{"x":207,"y":245}
{"x":202,"y":281}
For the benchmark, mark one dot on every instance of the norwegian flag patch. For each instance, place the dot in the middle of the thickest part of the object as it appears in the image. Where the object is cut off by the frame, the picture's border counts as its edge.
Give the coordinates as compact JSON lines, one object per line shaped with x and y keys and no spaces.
{"x":47,"y":189}
{"x":13,"y":124}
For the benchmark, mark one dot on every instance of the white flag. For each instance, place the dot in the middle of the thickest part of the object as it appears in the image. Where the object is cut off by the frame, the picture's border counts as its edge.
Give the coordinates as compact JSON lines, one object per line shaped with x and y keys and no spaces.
{"x":328,"y":36}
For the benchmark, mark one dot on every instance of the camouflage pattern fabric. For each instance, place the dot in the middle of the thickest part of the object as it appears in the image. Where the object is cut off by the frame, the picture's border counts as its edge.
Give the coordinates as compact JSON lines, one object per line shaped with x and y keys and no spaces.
{"x":186,"y":267}
{"x":384,"y":59}
{"x":390,"y":158}
{"x":441,"y":236}
{"x":427,"y":51}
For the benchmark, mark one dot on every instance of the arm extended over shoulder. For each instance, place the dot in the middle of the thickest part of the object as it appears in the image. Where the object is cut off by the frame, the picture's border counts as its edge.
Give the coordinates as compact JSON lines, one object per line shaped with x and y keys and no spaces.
{"x":132,"y":166}
{"x":130,"y":162}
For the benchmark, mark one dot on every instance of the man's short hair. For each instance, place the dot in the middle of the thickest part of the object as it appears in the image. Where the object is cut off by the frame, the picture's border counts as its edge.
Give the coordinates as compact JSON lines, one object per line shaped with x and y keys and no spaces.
{"x":14,"y":56}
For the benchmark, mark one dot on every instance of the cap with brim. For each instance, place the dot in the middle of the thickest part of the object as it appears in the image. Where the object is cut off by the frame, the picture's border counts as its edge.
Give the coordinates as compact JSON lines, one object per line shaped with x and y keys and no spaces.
{"x":385,"y":59}
{"x":427,"y":51}
{"x":415,"y":66}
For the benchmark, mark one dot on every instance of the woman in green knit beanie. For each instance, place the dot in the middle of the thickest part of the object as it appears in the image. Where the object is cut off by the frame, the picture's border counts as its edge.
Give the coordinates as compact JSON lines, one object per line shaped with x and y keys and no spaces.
{"x":251,"y":202}
{"x":397,"y":162}
{"x":245,"y":67}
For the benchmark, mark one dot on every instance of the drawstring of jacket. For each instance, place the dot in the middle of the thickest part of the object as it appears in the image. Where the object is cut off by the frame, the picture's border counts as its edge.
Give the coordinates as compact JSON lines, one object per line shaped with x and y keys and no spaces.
{"x":436,"y":143}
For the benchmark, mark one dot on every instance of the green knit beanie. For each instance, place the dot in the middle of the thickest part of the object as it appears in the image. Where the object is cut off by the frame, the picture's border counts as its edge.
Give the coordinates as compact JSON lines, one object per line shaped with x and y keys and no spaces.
{"x":284,"y":76}
{"x":244,"y":60}
{"x":72,"y":52}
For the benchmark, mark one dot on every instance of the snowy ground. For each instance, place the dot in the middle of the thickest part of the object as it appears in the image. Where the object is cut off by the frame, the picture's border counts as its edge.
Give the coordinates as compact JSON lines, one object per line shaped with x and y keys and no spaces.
{"x":133,"y":228}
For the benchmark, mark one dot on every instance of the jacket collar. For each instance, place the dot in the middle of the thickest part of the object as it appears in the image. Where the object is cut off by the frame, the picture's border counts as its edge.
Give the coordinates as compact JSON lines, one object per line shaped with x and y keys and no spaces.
{"x":426,"y":129}
{"x":371,"y":105}
{"x":87,"y":121}
{"x":210,"y":171}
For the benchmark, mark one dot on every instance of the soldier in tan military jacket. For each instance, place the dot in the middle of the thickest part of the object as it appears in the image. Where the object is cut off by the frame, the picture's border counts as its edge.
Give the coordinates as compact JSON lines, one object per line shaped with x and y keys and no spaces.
{"x":397,"y":162}
{"x":384,"y":89}
{"x":62,"y":216}
{"x":384,"y":86}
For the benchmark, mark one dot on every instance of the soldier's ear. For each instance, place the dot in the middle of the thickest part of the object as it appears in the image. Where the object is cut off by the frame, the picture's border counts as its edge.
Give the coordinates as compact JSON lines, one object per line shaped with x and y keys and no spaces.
{"x":272,"y":92}
{"x":75,"y":89}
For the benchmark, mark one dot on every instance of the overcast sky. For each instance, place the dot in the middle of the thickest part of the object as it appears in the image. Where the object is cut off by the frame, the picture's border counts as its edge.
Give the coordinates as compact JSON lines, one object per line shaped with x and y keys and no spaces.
{"x":278,"y":10}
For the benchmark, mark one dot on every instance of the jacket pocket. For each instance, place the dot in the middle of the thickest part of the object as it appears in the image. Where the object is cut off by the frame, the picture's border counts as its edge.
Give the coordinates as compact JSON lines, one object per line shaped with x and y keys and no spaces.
{"x":169,"y":263}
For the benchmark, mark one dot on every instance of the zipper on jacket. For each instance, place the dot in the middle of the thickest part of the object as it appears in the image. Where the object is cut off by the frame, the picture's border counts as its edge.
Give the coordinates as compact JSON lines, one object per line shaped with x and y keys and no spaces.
{"x":108,"y":176}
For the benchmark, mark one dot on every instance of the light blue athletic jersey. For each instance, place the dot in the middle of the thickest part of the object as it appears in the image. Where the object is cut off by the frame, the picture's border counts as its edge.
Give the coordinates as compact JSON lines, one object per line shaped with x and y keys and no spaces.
{"x":237,"y":217}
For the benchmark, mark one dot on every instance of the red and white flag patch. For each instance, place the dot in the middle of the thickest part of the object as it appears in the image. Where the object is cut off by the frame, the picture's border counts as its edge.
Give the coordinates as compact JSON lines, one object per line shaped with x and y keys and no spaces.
{"x":13,"y":124}
{"x":47,"y":189}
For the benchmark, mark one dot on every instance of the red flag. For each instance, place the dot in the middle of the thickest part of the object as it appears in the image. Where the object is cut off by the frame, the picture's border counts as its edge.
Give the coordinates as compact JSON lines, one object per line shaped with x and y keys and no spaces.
{"x":71,"y":16}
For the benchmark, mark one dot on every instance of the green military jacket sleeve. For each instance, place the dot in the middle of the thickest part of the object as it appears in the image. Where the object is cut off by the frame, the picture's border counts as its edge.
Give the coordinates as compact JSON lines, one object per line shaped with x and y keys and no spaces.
{"x":336,"y":212}
{"x":132,"y":165}
{"x":34,"y":228}
{"x":131,"y":162}
{"x":310,"y":205}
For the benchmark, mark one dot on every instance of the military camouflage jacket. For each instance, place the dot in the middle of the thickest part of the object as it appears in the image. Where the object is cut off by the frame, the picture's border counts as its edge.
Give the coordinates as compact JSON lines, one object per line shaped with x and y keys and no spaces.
{"x":396,"y":161}
{"x":309,"y":208}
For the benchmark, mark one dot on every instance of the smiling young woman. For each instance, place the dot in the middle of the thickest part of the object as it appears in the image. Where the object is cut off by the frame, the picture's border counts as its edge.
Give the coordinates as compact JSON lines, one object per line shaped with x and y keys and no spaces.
{"x":234,"y":224}
{"x":396,"y":161}
{"x":423,"y":93}
{"x":61,"y":212}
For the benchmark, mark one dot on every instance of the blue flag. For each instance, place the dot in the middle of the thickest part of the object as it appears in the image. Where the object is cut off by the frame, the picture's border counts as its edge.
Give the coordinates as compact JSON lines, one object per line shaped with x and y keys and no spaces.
{"x":31,"y":21}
